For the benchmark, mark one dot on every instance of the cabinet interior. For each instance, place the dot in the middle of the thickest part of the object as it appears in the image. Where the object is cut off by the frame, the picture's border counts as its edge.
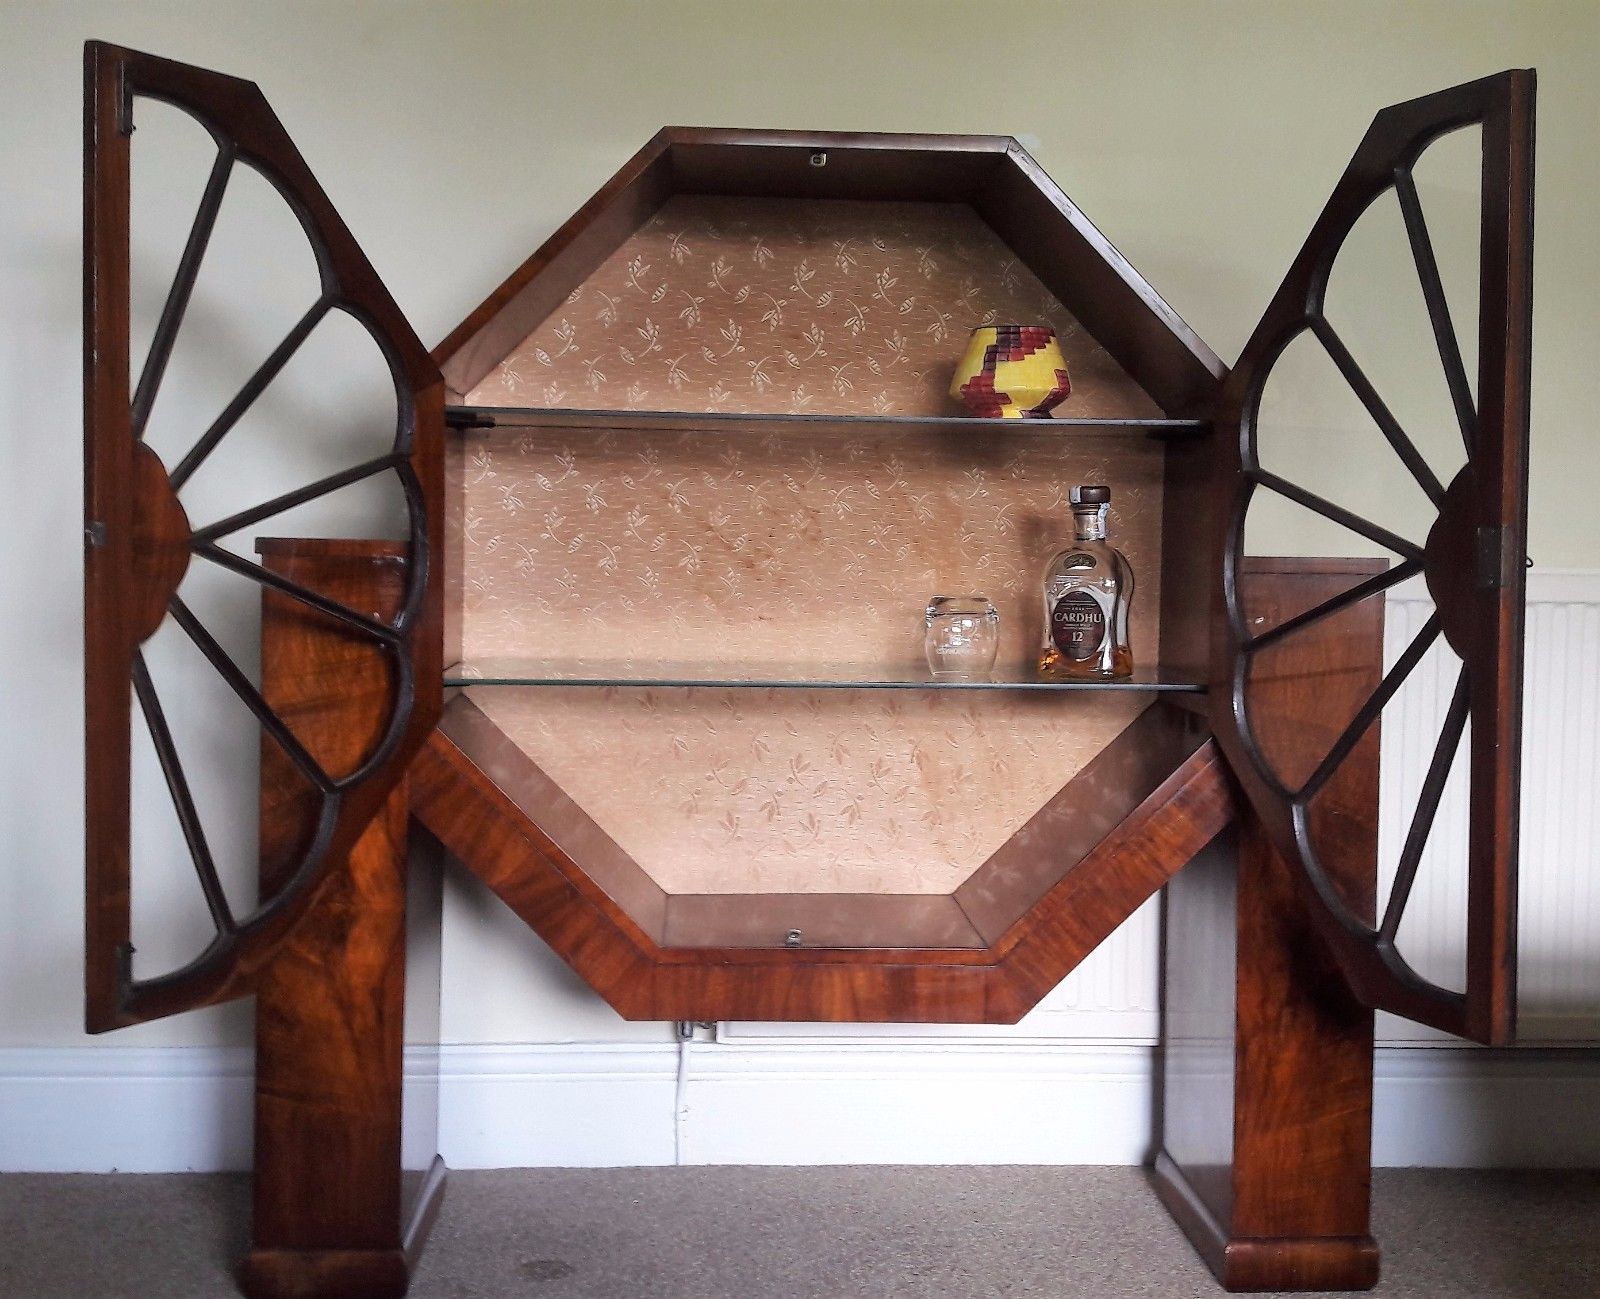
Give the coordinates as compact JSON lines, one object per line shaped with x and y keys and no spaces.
{"x":727,"y":452}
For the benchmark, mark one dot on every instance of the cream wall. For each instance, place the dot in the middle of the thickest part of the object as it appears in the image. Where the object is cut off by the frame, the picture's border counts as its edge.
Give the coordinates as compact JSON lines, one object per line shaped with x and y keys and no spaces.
{"x":1202,"y":138}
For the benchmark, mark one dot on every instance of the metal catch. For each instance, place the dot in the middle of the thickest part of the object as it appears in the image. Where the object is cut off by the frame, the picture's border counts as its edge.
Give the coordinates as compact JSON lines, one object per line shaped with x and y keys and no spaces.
{"x":1498,"y":559}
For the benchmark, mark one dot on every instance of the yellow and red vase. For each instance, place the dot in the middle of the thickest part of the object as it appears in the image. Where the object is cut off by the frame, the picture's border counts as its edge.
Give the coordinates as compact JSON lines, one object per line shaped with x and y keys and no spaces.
{"x":1012,"y":372}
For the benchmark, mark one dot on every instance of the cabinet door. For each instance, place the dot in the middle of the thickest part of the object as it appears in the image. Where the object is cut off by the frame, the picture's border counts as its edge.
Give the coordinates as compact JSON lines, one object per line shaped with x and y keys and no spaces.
{"x":141,"y":544}
{"x":1443,"y":545}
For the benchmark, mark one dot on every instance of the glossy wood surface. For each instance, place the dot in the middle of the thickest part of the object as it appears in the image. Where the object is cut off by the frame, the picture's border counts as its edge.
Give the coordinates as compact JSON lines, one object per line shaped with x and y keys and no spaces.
{"x":160,"y":543}
{"x":1083,"y":268}
{"x":701,"y":160}
{"x":330,"y":1217}
{"x":1195,"y":1081}
{"x":1068,"y":828}
{"x":138,"y":542}
{"x":995,"y":897}
{"x":536,"y":288}
{"x":747,"y":305}
{"x":991,"y":177}
{"x":483,"y":825}
{"x":991,"y":173}
{"x":1505,"y":385}
{"x":1473,"y":561}
{"x":108,"y":509}
{"x":717,"y":927}
{"x":1189,"y":511}
{"x":1267,"y":1065}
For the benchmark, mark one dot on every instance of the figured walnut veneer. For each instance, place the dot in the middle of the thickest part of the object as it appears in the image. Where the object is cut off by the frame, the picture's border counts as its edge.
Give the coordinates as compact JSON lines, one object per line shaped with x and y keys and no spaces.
{"x":160,"y":543}
{"x":740,"y":271}
{"x":991,"y":175}
{"x":332,"y":1211}
{"x":491,"y":819}
{"x":1054,"y":842}
{"x":736,"y":274}
{"x":1266,"y":1101}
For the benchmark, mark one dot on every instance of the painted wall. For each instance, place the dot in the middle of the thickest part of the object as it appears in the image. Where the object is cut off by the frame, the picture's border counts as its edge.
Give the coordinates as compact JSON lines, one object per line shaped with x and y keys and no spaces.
{"x":1202,"y":138}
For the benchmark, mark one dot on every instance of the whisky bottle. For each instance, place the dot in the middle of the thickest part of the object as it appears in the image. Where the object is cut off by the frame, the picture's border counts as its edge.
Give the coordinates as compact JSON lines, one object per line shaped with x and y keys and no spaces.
{"x":1087,"y":589}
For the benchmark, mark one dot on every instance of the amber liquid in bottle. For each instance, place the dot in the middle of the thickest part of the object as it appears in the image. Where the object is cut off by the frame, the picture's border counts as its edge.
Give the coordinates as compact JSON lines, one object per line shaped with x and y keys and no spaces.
{"x":1088,"y":587}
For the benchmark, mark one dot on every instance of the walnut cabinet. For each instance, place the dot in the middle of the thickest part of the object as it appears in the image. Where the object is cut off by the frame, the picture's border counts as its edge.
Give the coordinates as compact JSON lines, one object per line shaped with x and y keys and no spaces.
{"x":644,"y":654}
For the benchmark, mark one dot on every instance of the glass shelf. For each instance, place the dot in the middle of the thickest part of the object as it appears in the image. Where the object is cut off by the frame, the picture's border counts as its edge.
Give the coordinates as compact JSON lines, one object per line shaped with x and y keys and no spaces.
{"x":535,"y":417}
{"x":787,"y":676}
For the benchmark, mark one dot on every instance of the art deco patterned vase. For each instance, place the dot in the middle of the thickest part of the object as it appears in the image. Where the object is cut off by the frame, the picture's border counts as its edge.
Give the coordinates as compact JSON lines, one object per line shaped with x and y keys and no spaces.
{"x":1012,"y":372}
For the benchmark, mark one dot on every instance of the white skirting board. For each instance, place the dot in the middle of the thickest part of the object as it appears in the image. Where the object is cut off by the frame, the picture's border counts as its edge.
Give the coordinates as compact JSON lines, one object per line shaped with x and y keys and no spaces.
{"x":933,"y":1102}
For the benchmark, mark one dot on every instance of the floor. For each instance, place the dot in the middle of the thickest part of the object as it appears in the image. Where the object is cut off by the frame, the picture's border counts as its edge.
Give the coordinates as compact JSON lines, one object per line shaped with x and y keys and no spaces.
{"x":809,"y":1233}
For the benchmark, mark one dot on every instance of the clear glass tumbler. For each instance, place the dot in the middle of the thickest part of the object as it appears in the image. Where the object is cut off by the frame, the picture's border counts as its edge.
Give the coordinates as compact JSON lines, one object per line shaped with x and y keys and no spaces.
{"x":962,"y":638}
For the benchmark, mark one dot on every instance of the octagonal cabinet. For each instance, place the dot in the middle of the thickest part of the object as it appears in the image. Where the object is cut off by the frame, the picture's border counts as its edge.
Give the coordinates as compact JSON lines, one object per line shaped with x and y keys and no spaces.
{"x":672,"y":503}
{"x":703,"y":476}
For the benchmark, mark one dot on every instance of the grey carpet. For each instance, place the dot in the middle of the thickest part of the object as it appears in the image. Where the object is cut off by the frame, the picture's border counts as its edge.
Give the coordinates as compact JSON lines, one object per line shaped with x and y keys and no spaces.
{"x":815,"y":1233}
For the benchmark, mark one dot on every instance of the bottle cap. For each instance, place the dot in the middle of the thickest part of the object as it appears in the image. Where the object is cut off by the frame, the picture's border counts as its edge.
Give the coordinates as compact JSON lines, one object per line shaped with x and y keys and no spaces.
{"x":1091,"y":495}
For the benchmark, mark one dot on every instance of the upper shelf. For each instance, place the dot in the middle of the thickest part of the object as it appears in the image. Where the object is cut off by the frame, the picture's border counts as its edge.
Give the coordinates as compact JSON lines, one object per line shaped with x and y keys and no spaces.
{"x":535,"y":417}
{"x":818,"y":277}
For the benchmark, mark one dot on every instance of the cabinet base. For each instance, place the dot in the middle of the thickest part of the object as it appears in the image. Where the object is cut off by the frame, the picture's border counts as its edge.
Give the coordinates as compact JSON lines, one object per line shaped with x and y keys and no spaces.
{"x":347,"y":1273}
{"x":324,"y":1274}
{"x":1250,"y":1264}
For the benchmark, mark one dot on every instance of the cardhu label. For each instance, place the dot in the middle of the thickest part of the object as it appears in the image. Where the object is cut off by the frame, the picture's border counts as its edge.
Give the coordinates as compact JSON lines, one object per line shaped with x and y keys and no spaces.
{"x":1078,"y":625}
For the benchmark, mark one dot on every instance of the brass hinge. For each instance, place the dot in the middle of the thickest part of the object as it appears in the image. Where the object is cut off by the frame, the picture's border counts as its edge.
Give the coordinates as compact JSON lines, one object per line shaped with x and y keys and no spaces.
{"x":124,"y":106}
{"x":1498,"y":559}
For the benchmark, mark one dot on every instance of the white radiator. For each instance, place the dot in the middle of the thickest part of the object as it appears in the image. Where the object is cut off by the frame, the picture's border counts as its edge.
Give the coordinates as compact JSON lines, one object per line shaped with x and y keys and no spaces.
{"x":1559,"y":931}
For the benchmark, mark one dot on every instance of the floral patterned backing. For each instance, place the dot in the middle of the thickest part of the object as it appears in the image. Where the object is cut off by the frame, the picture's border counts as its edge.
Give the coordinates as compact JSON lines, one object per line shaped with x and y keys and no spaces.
{"x":819,"y":549}
{"x":816,"y":548}
{"x":784,"y":306}
{"x":806,"y":791}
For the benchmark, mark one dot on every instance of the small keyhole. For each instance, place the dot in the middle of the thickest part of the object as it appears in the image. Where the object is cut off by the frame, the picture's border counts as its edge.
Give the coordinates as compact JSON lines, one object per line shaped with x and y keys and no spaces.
{"x":793,"y":938}
{"x":819,"y":160}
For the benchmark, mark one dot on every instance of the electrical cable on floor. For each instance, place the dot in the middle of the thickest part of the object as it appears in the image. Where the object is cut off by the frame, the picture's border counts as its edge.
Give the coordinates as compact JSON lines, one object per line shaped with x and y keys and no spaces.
{"x":680,"y":1098}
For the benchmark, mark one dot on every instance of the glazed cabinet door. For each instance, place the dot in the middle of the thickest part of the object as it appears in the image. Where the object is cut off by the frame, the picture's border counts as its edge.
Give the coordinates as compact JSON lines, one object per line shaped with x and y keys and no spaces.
{"x":170,"y":523}
{"x":1379,"y":414}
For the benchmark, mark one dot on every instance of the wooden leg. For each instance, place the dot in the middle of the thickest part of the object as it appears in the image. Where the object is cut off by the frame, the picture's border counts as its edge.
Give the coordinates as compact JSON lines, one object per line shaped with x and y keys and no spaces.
{"x":329,"y":1040}
{"x":1266,"y":1092}
{"x":1267,"y":1083}
{"x":331,"y":1212}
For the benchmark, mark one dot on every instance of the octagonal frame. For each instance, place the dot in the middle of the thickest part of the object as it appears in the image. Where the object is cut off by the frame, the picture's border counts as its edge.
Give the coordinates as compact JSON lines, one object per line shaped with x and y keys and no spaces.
{"x":994,"y":175}
{"x":1097,"y":850}
{"x":483,"y":808}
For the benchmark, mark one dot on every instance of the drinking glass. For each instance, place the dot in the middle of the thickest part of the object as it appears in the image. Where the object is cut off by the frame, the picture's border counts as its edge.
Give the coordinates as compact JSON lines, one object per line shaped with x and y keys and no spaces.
{"x":962,"y":637}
